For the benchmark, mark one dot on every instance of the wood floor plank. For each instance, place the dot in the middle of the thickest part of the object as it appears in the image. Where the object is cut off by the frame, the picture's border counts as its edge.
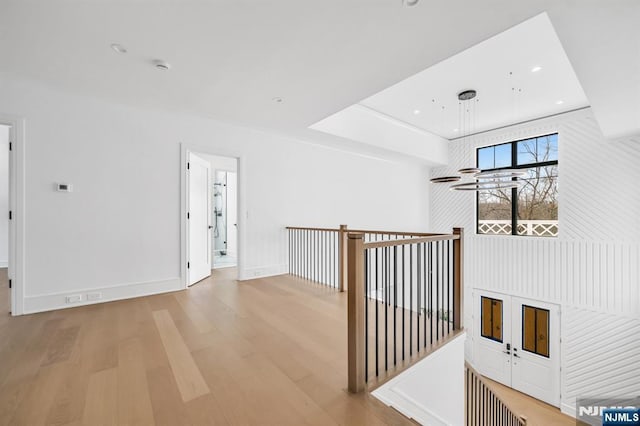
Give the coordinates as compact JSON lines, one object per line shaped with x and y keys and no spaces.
{"x":134,"y":403}
{"x":35,"y":406}
{"x":101,"y":405}
{"x":168,"y":407}
{"x":188,"y":377}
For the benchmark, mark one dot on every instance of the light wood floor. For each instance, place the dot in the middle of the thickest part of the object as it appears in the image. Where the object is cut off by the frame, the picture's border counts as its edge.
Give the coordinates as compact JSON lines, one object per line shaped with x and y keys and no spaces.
{"x":537,"y":412}
{"x":262,"y":352}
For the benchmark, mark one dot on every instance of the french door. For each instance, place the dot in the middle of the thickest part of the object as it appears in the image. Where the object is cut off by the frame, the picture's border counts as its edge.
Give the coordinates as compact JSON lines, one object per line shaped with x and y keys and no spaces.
{"x":517,"y":343}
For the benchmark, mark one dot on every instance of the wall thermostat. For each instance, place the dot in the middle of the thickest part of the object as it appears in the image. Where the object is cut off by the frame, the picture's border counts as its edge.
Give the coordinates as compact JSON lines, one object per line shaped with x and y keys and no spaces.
{"x":64,"y":187}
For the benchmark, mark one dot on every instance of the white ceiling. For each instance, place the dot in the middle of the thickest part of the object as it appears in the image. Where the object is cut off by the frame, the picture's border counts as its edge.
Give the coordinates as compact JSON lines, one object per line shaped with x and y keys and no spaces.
{"x":231,"y":57}
{"x":500,"y":70}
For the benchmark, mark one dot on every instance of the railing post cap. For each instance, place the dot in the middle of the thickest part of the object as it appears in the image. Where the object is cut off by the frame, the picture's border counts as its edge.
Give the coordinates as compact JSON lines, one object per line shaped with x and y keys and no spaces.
{"x":355,"y":235}
{"x":343,"y":226}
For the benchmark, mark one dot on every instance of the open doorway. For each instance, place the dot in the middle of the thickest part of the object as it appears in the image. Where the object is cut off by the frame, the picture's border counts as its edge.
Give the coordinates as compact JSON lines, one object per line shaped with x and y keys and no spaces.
{"x":225,"y":218}
{"x":212,"y":214}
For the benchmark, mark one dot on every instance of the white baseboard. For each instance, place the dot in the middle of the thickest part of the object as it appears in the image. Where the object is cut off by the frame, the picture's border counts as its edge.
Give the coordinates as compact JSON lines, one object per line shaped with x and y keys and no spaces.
{"x":49,"y":302}
{"x":262,"y":271}
{"x":568,"y":409}
{"x":409,"y":408}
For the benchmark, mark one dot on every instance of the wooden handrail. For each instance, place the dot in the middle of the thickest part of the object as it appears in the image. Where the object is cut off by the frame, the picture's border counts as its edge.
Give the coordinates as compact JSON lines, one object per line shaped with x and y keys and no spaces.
{"x":414,"y":234}
{"x":313,"y":229}
{"x":405,"y":241}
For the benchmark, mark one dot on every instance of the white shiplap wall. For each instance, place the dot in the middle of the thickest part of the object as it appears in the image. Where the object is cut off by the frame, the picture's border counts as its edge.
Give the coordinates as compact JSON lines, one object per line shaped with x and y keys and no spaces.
{"x":592,"y":269}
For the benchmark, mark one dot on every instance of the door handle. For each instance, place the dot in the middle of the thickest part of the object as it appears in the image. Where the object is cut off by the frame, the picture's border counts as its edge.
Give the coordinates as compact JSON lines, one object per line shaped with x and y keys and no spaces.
{"x":507,"y":352}
{"x":210,"y":226}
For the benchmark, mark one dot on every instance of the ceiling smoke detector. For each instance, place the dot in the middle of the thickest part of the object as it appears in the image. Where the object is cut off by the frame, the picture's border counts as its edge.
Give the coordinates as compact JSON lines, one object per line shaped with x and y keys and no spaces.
{"x":161,"y":65}
{"x":410,"y":2}
{"x":119,"y":48}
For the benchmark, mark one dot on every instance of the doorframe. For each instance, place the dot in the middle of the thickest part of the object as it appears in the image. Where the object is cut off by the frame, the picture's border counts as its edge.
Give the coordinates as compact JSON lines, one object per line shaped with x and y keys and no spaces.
{"x":16,"y":266}
{"x":185,"y":149}
{"x":476,"y":293}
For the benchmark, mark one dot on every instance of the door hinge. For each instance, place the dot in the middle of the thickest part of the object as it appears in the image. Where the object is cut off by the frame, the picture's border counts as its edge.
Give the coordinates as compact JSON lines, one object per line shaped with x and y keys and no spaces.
{"x":188,"y":166}
{"x":10,"y":146}
{"x":9,"y":283}
{"x":188,"y":216}
{"x":188,"y":265}
{"x":10,"y":215}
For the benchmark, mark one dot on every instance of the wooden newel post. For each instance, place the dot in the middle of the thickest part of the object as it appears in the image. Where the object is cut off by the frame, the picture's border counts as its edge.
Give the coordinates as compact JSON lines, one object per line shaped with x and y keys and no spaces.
{"x":342,"y":258}
{"x":458,"y":278}
{"x":355,"y":312}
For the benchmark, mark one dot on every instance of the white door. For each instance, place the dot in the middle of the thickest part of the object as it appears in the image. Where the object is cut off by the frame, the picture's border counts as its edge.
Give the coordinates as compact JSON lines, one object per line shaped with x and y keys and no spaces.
{"x":493,"y":339}
{"x":517,"y":343}
{"x":536,"y":349}
{"x":198,"y":219}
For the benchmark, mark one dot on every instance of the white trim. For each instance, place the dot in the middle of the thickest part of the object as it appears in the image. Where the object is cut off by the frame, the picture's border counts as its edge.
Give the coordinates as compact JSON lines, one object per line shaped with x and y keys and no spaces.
{"x":568,"y":409}
{"x":53,"y":301}
{"x":16,"y":261}
{"x":4,"y":264}
{"x":185,"y":149}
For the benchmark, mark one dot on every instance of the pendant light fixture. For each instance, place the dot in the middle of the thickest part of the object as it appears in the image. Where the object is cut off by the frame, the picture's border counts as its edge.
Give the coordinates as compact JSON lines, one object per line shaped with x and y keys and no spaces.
{"x":480,"y":180}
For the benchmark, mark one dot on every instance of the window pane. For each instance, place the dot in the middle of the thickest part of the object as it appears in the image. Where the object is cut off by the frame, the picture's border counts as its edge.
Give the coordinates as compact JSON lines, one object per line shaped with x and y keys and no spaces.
{"x":494,"y":212}
{"x":538,"y":202}
{"x":491,"y":318}
{"x":548,"y":147}
{"x":538,"y":150}
{"x":486,"y":318}
{"x":528,"y":328}
{"x":503,"y":155}
{"x":542,"y":332}
{"x":497,"y":319}
{"x":485,"y":158}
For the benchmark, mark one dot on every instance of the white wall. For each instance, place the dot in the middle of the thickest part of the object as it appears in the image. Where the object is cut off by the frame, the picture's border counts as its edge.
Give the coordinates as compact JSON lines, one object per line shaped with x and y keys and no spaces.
{"x":4,"y":196}
{"x":119,"y":230}
{"x":592,"y":269}
{"x":432,"y":391}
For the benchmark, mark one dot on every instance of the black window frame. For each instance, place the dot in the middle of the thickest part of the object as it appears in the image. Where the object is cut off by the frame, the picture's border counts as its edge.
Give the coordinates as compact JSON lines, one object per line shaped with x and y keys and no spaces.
{"x":514,"y":191}
{"x":536,"y":310}
{"x":493,"y":301}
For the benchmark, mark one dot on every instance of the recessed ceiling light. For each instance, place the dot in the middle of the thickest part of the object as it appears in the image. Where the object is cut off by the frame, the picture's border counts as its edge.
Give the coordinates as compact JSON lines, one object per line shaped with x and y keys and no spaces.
{"x":119,"y":48}
{"x":277,"y":99}
{"x":536,"y":69}
{"x":161,"y":65}
{"x":560,"y":102}
{"x":416,"y":111}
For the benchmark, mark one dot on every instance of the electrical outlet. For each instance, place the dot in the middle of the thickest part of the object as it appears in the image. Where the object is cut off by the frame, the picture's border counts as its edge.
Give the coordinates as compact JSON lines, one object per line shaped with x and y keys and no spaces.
{"x":75,"y":298}
{"x":94,"y":296}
